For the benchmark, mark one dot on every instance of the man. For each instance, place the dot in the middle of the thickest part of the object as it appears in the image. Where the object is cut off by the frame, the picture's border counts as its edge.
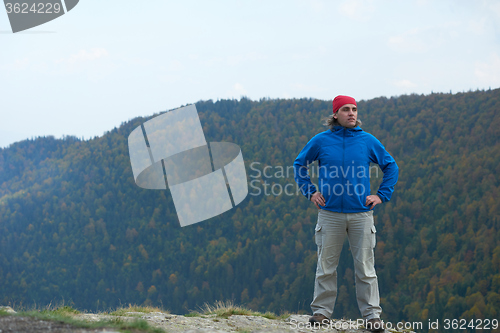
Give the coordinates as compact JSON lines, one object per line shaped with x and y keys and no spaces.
{"x":344,"y":153}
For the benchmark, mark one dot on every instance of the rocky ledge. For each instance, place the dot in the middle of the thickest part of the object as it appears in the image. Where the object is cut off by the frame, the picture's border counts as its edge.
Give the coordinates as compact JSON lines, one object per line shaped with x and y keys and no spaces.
{"x":191,"y":324}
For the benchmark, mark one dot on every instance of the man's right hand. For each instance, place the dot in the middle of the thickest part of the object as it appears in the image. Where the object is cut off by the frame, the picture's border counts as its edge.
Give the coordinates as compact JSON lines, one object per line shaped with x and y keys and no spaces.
{"x":318,"y":199}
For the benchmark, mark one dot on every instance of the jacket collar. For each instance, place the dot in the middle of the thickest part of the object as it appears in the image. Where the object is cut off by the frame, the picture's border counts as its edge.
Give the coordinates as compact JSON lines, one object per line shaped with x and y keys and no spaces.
{"x":338,"y":128}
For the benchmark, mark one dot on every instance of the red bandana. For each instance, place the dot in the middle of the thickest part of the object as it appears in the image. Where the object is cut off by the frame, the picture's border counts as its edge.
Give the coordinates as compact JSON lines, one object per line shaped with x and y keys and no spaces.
{"x":340,"y":100}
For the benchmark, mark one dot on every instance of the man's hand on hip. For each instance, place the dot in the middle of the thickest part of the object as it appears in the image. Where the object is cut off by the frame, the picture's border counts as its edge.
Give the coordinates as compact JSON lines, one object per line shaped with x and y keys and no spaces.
{"x":373,"y":200}
{"x":318,"y":199}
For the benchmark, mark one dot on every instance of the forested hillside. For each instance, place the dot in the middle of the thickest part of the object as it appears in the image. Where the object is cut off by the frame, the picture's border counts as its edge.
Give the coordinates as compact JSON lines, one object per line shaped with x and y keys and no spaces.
{"x":75,"y":227}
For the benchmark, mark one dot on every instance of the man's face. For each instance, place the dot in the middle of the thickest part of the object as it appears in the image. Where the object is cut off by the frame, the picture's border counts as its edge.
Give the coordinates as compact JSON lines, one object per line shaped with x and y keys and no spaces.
{"x":347,"y":115}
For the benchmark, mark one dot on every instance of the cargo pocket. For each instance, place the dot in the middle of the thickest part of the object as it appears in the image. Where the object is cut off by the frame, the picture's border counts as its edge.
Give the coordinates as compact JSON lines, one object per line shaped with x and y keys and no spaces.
{"x":373,"y":236}
{"x":318,"y":237}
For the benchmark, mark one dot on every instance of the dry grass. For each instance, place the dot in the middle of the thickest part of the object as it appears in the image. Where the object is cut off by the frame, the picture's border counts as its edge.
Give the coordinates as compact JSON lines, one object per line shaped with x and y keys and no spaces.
{"x":225,"y":309}
{"x":136,"y":308}
{"x":67,"y":314}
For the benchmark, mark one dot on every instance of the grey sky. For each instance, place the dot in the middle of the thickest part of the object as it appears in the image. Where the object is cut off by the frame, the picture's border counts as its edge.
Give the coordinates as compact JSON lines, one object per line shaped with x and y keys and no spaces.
{"x":106,"y":62}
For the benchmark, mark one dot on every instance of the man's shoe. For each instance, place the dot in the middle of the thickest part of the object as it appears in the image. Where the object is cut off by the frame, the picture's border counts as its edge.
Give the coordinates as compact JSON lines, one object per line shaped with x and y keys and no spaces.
{"x":375,"y":325}
{"x":318,"y":318}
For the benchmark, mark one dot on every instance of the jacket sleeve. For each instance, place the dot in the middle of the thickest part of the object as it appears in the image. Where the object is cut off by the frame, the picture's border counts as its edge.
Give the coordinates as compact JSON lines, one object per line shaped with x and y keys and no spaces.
{"x":380,"y":156}
{"x":308,"y":155}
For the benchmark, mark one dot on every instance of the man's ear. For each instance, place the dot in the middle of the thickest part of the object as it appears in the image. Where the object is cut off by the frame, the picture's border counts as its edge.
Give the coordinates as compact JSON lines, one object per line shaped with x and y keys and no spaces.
{"x":335,"y":115}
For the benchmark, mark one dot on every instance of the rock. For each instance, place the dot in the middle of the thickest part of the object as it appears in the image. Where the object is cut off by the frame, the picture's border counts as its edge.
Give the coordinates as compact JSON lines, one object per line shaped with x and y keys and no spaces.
{"x":191,"y":324}
{"x":7,"y":309}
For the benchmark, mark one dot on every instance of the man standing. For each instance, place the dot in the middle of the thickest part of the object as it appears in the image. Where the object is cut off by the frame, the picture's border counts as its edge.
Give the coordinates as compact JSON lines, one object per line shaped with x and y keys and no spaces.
{"x":344,"y":153}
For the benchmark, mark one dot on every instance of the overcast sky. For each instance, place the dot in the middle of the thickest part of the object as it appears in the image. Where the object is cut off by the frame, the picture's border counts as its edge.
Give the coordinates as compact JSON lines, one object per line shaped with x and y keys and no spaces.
{"x":109,"y":61}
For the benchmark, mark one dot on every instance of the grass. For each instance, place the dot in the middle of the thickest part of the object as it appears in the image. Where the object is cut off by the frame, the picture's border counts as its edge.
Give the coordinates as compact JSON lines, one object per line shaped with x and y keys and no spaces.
{"x":228,"y":308}
{"x":66,"y":314}
{"x":135,"y":308}
{"x":69,"y":315}
{"x":63,"y":311}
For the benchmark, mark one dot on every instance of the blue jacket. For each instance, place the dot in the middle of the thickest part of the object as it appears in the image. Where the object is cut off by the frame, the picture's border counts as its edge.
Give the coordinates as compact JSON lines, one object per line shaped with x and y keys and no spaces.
{"x":344,"y":156}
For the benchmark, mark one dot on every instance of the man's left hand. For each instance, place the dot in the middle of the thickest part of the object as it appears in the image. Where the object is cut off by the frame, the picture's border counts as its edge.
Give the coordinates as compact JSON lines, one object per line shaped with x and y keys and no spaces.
{"x":373,"y":200}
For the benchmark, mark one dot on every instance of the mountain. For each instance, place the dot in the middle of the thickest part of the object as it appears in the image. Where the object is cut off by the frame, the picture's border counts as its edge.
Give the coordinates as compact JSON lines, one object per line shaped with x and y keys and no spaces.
{"x":75,"y":227}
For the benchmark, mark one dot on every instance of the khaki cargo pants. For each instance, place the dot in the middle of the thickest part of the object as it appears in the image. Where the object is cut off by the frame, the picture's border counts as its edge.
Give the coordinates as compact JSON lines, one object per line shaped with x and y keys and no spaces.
{"x":330,"y":234}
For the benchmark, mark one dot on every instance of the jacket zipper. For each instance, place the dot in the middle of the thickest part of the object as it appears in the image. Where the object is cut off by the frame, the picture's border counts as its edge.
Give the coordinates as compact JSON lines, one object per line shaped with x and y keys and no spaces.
{"x":343,"y":162}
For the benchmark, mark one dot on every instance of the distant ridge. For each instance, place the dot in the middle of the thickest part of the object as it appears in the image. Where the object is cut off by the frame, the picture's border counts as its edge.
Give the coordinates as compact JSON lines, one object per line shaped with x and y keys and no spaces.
{"x":74,"y":226}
